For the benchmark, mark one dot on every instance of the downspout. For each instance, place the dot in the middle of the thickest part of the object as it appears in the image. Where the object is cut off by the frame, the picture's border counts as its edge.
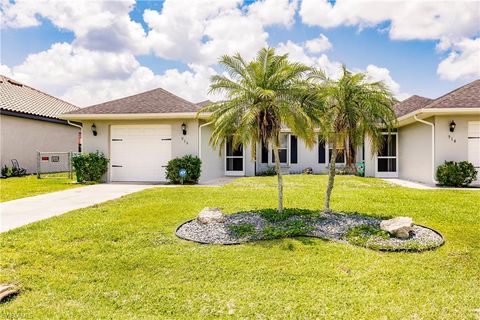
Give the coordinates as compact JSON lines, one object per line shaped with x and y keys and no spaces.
{"x":80,"y":145}
{"x":433,"y":145}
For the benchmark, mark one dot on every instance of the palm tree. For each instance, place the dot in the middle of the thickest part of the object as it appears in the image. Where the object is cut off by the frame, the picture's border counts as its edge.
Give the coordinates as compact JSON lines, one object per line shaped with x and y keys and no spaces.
{"x":353,"y":108}
{"x":261,"y":96}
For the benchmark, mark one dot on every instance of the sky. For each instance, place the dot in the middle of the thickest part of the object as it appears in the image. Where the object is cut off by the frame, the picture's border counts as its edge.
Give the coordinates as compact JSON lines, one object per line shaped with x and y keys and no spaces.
{"x":87,"y":52}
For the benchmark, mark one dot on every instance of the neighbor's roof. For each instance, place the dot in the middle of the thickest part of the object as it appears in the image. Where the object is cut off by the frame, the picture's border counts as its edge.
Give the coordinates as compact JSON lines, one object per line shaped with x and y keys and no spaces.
{"x":411,"y":104}
{"x":18,"y":97}
{"x":202,"y":104}
{"x":153,"y":101}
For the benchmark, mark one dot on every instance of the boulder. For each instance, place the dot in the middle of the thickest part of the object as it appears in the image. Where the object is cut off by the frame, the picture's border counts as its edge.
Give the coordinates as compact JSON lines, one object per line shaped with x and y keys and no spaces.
{"x":210,"y":215}
{"x":399,"y":227}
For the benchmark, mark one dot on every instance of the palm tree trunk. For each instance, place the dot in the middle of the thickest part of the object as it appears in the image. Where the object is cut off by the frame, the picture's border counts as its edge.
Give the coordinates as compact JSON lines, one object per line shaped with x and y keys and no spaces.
{"x":279,"y":177}
{"x":331,"y":175}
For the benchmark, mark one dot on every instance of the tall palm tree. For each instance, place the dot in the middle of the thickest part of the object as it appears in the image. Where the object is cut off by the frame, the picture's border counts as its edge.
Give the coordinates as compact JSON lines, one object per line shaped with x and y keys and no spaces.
{"x":261,"y":96}
{"x":353,"y":108}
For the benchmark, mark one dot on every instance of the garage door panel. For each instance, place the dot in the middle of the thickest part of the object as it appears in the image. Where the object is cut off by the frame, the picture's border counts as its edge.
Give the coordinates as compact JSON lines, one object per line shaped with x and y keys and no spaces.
{"x":140,"y":153}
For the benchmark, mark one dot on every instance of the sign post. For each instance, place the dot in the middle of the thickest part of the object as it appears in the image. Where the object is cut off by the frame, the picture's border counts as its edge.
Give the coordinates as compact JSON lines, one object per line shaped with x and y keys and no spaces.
{"x":182,"y":173}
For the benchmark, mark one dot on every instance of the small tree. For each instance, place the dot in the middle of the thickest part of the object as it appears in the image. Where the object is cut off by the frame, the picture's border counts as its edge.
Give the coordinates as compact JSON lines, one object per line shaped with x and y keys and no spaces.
{"x":260,"y":97}
{"x":352,"y":108}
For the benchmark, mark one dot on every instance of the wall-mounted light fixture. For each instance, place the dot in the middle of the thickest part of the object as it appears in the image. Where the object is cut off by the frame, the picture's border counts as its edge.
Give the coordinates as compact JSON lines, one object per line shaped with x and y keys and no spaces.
{"x":94,"y":129}
{"x":452,"y":126}
{"x":184,"y":129}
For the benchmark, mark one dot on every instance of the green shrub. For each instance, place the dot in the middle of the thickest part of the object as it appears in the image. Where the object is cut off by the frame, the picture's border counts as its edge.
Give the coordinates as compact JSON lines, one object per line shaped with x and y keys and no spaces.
{"x":90,"y":166}
{"x":362,"y":234}
{"x":286,"y":229}
{"x":270,"y":171}
{"x":193,"y":166}
{"x":456,"y":174}
{"x":7,"y":171}
{"x":242,"y":230}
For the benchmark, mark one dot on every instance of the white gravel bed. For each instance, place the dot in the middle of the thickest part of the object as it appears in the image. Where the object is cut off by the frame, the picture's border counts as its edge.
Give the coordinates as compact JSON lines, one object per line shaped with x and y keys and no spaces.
{"x":329,"y":226}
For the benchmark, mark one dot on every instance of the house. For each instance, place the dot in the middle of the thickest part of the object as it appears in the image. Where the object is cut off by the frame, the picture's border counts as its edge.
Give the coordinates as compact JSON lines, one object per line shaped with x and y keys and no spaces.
{"x":430,"y":132}
{"x":29,"y":123}
{"x":140,"y":133}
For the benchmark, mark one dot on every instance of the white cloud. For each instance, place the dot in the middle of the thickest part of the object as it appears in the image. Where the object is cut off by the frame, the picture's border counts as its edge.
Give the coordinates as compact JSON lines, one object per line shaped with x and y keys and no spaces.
{"x":319,"y":44}
{"x":463,"y":60}
{"x":383,"y":74}
{"x":273,"y":12}
{"x":86,"y":77}
{"x":201,"y":31}
{"x":408,"y":19}
{"x":97,"y":25}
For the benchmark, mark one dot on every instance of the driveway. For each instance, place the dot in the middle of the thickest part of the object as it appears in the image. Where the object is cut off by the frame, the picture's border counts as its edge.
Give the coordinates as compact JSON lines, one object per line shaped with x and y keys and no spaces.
{"x":17,"y":213}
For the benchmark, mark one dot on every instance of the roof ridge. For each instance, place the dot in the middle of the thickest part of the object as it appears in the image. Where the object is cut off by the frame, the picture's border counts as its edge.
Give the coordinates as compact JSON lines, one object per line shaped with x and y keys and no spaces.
{"x":32,"y":88}
{"x":139,"y":94}
{"x":455,"y":91}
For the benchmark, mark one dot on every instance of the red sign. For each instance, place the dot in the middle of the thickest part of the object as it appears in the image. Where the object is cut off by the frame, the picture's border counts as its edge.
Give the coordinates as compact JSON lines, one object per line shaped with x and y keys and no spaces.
{"x":44,"y":158}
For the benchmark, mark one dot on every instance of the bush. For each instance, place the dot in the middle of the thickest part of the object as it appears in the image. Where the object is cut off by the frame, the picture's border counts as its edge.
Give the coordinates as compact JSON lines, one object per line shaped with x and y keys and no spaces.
{"x":193,"y":166}
{"x":307,"y":171}
{"x":7,"y":171}
{"x":270,"y":171}
{"x":287,"y":229}
{"x":456,"y":174}
{"x":242,"y":230}
{"x":90,"y":166}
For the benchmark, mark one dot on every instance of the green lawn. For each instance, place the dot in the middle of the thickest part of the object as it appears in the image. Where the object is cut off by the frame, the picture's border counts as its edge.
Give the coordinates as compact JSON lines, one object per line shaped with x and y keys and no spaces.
{"x":121,"y":259}
{"x":27,"y":186}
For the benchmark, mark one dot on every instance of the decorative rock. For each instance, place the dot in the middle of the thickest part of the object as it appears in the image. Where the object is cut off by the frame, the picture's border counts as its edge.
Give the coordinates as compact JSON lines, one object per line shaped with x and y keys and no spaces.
{"x":210,"y":215}
{"x":399,"y":227}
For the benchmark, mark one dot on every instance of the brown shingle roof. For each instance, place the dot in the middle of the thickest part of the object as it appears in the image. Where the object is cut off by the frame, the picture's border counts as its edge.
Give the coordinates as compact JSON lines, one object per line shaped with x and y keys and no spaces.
{"x":153,"y":101}
{"x":202,"y":104}
{"x":467,"y":96}
{"x":411,"y":104}
{"x":18,"y":97}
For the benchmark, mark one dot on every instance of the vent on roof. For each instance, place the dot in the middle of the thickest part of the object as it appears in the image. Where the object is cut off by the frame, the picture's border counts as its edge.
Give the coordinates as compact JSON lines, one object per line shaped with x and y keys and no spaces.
{"x":15,"y":83}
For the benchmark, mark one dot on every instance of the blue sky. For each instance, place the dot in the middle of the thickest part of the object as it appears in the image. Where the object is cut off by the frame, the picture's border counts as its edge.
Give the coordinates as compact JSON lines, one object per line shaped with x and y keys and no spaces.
{"x":429,"y":61}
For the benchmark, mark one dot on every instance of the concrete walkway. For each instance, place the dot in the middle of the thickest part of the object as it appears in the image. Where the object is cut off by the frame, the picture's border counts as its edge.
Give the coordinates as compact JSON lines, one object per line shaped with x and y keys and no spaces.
{"x":417,"y":185}
{"x":17,"y":213}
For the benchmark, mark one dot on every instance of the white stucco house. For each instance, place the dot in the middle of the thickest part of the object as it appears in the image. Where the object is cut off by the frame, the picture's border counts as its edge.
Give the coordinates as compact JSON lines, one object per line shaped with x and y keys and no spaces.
{"x":29,"y":123}
{"x":141,"y":133}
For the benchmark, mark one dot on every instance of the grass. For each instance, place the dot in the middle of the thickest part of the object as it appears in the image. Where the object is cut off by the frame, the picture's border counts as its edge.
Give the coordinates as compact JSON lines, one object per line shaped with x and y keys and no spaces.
{"x":27,"y":186}
{"x":242,"y":230}
{"x":121,"y":259}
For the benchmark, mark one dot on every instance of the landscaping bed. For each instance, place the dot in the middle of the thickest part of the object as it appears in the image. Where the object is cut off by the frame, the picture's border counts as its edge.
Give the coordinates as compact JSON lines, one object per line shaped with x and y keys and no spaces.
{"x":355,"y":229}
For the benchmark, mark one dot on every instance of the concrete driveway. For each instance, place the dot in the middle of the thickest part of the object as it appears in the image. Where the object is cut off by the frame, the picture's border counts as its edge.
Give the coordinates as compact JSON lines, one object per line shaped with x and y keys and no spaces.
{"x":17,"y":213}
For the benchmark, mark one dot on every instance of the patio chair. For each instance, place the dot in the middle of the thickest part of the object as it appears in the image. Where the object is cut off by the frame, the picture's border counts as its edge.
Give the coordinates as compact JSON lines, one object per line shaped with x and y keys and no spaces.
{"x":17,"y":170}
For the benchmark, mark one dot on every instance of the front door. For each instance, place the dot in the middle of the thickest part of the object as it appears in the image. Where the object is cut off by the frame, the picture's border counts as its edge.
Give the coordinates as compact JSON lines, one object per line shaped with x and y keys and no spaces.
{"x":386,"y":165}
{"x":234,"y":160}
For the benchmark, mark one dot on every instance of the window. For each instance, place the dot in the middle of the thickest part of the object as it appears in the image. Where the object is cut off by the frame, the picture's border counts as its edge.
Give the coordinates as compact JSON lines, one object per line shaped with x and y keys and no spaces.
{"x":293,"y":149}
{"x":283,"y":149}
{"x":264,"y":156}
{"x":340,"y":155}
{"x":387,"y":156}
{"x":321,"y":151}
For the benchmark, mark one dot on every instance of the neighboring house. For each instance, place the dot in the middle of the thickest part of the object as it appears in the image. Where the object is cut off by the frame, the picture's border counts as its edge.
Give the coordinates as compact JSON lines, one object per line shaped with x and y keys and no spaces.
{"x":29,"y":123}
{"x":430,"y":132}
{"x":140,"y":133}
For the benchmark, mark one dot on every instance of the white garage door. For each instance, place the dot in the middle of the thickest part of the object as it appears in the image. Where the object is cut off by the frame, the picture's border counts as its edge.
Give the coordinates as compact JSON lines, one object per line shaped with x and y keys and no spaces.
{"x":139,"y":152}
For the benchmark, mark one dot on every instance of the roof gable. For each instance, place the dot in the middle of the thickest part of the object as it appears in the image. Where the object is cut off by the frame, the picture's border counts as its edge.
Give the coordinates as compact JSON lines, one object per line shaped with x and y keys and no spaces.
{"x":153,"y":101}
{"x":18,"y":97}
{"x":467,"y":96}
{"x":411,"y":104}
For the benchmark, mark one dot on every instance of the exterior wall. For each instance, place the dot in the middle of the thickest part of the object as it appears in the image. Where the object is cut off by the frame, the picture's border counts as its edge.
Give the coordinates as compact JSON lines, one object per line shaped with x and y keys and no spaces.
{"x":415,"y":152}
{"x":21,"y":138}
{"x":452,"y":146}
{"x":307,"y":157}
{"x":213,"y":165}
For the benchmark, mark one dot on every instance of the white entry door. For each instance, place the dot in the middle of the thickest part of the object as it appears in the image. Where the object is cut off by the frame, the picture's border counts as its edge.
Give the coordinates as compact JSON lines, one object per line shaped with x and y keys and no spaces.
{"x":474,"y":145}
{"x":139,"y":152}
{"x":386,"y":164}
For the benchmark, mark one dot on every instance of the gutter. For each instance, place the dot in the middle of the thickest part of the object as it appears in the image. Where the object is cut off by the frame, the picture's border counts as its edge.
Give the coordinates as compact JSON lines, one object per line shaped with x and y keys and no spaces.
{"x":433,"y":145}
{"x":74,"y":124}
